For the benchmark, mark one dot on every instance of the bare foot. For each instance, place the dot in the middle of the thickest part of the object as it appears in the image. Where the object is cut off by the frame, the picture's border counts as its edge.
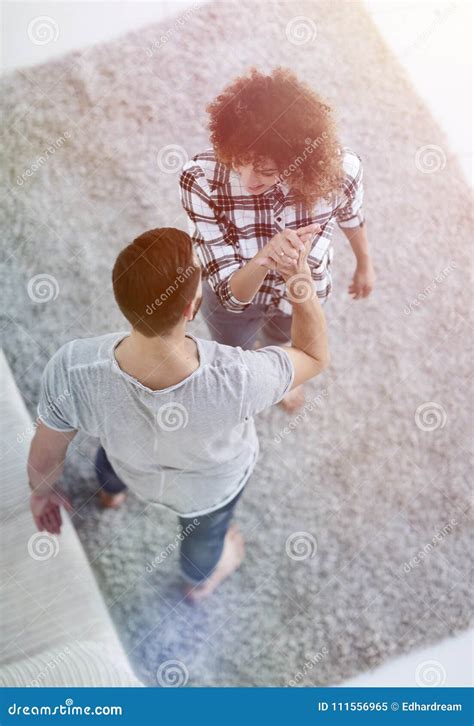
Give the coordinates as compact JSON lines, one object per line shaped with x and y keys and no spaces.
{"x":111,"y":501}
{"x":294,"y":399}
{"x":231,"y":558}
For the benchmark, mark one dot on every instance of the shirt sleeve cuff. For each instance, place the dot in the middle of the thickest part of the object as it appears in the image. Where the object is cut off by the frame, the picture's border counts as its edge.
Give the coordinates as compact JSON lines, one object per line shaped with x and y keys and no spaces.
{"x":357,"y":220}
{"x":49,"y":419}
{"x":227,"y":298}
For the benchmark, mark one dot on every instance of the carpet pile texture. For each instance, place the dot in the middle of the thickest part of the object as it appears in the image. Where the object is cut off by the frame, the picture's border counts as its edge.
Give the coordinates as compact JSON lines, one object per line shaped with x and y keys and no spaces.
{"x":374,"y":472}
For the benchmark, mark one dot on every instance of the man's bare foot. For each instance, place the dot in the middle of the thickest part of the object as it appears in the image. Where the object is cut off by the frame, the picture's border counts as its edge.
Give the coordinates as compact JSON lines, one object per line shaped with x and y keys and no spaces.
{"x":231,"y":558}
{"x":294,"y":399}
{"x":111,"y":501}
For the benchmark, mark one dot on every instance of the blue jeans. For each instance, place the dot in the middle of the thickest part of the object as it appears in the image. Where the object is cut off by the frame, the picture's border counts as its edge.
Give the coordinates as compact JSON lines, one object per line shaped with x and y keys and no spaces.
{"x":203,"y":536}
{"x":243,"y":329}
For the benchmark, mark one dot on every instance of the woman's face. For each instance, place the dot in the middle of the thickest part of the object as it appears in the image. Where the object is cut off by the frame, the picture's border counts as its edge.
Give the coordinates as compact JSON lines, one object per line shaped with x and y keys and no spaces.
{"x":257,"y":178}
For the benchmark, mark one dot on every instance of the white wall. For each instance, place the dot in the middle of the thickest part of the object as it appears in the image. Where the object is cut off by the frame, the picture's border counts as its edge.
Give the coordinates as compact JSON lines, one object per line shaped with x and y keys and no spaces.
{"x":433,"y":40}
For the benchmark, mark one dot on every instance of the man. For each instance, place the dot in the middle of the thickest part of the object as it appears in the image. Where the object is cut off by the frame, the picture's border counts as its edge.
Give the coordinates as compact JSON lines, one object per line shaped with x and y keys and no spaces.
{"x":275,"y":162}
{"x":173,"y":413}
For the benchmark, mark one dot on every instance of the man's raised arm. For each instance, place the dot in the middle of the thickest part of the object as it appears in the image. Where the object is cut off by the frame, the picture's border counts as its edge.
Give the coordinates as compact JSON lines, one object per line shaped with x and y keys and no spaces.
{"x":309,"y":351}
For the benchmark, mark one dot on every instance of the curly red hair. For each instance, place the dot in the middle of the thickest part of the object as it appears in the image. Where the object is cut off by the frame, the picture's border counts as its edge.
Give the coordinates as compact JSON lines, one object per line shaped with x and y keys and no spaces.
{"x":280,"y":118}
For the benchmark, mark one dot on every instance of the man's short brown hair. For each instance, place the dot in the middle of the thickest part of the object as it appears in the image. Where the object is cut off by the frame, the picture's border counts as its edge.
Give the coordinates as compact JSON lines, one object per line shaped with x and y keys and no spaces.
{"x":155,"y":278}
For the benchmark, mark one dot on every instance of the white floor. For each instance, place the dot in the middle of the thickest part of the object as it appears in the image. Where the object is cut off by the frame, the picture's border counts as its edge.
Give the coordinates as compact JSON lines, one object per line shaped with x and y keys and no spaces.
{"x":431,"y":39}
{"x":449,"y":663}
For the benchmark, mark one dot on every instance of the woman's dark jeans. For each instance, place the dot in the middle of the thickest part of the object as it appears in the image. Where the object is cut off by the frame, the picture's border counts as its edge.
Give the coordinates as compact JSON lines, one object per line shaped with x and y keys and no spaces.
{"x":202,"y":537}
{"x":243,"y":329}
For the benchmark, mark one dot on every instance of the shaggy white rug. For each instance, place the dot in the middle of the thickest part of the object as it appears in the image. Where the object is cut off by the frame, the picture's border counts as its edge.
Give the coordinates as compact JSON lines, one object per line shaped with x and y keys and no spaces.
{"x":373,"y":476}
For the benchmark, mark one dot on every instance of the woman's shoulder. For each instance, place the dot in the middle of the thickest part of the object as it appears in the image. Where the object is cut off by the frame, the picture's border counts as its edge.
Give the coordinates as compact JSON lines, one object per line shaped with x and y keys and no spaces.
{"x":351,"y":162}
{"x":205,"y":169}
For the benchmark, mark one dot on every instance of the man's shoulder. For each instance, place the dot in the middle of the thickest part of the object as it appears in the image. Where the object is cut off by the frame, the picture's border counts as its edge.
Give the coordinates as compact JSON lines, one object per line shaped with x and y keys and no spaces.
{"x":214,"y":353}
{"x":219,"y":360}
{"x":226,"y":359}
{"x":85,"y":351}
{"x":245,"y":382}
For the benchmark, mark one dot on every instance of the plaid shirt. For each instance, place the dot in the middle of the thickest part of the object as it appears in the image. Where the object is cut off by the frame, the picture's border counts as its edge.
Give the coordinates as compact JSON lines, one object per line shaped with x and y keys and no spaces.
{"x":230,"y":225}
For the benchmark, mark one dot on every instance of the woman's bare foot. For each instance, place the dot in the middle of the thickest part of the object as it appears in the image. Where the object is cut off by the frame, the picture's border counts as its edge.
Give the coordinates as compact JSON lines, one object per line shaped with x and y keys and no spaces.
{"x":231,"y":558}
{"x":294,"y":399}
{"x":111,"y":501}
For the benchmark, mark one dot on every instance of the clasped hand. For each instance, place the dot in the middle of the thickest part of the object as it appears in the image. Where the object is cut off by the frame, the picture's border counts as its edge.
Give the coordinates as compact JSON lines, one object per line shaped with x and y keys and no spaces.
{"x":288,"y":250}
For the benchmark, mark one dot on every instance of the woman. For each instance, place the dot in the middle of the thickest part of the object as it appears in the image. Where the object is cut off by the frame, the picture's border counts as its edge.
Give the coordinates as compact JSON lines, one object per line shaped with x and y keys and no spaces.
{"x":276,"y":163}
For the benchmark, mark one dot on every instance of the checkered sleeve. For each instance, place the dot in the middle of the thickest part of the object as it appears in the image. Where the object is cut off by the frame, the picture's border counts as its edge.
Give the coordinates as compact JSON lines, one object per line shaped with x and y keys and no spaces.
{"x":349,"y":212}
{"x":217,"y":251}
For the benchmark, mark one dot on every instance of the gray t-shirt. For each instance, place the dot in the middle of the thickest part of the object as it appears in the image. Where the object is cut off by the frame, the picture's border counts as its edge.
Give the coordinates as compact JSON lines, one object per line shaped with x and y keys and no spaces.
{"x":190,"y":447}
